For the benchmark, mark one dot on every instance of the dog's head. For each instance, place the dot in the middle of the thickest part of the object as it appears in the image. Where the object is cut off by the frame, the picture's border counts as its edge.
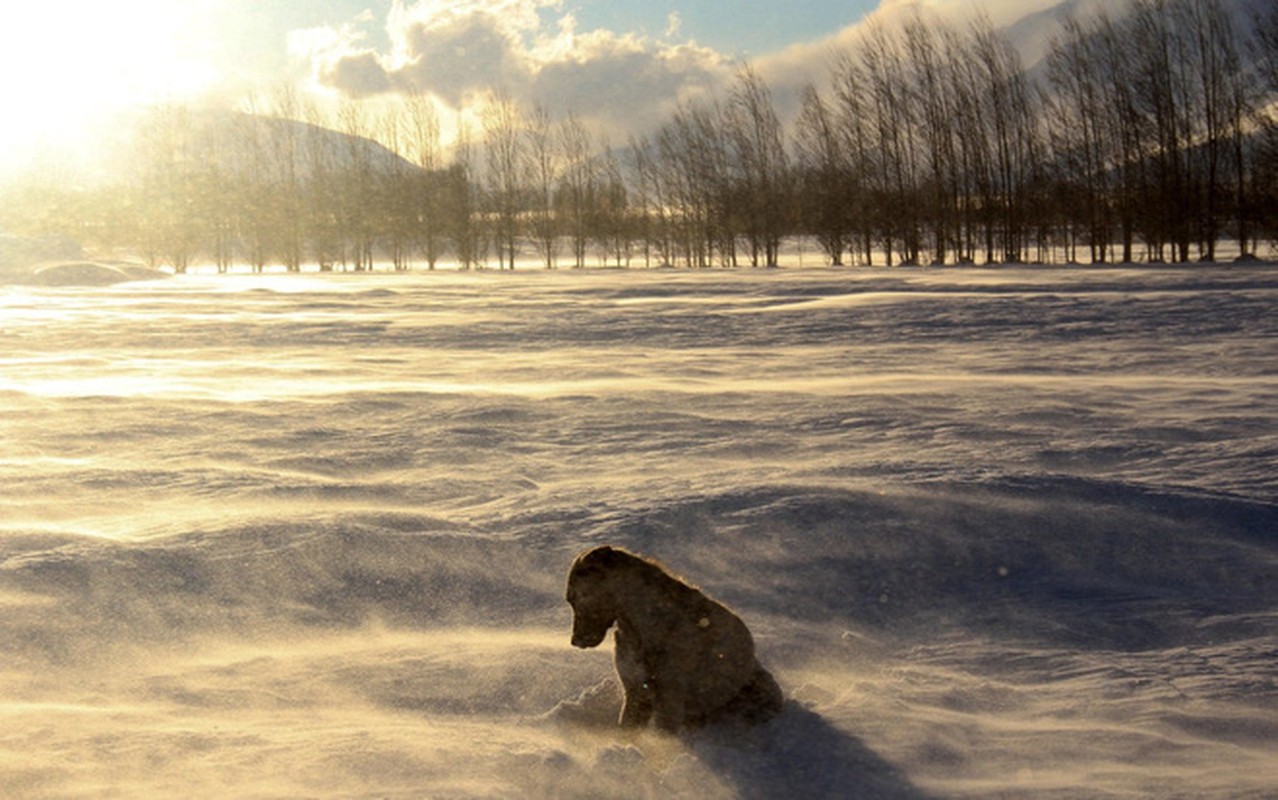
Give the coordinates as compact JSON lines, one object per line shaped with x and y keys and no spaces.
{"x":590,"y":595}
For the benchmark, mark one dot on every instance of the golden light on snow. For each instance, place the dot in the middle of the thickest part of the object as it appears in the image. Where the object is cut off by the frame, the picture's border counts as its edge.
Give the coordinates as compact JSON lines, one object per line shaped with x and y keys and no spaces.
{"x":307,"y":537}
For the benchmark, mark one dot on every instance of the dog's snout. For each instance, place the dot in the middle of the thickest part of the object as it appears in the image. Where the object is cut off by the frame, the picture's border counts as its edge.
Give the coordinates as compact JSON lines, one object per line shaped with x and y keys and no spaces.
{"x":588,"y":638}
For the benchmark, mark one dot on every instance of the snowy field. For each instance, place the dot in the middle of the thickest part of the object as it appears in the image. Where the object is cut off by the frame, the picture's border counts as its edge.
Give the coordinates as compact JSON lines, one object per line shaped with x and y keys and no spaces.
{"x":998,"y":532}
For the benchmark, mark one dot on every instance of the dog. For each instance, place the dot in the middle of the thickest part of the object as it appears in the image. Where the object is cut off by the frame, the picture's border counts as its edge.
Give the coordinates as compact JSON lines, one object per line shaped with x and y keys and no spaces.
{"x":683,"y":659}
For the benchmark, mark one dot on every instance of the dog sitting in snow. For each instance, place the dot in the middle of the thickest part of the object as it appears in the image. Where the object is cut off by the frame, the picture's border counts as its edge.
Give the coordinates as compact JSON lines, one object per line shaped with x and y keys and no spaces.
{"x":684,"y":660}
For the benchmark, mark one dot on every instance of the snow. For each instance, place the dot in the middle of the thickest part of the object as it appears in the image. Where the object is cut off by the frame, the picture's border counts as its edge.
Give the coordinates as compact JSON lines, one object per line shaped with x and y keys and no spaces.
{"x":997,"y":532}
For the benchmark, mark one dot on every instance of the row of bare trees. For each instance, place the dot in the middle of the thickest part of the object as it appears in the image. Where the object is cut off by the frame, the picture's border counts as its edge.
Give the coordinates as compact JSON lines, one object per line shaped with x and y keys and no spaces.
{"x":934,"y":144}
{"x":715,"y":184}
{"x":1153,"y":131}
{"x":1138,"y":129}
{"x":285,"y":186}
{"x":282,"y":185}
{"x":1154,"y":114}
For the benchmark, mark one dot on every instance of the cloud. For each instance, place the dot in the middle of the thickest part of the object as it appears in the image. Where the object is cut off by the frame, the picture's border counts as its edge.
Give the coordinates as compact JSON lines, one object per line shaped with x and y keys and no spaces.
{"x":790,"y":69}
{"x":459,"y":51}
{"x":999,"y":12}
{"x":674,"y":23}
{"x":460,"y":54}
{"x":339,"y":59}
{"x":360,"y":74}
{"x":627,"y":82}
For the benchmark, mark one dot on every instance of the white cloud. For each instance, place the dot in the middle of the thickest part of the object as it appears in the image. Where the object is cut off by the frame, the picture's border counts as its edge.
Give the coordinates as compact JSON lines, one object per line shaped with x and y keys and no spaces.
{"x":673,"y":24}
{"x":529,"y":48}
{"x":790,"y":69}
{"x":533,"y":50}
{"x":1000,"y":12}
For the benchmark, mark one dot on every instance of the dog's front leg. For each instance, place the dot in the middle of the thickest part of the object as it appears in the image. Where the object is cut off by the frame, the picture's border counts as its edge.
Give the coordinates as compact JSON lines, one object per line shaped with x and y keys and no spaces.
{"x":636,"y":707}
{"x":636,"y":710}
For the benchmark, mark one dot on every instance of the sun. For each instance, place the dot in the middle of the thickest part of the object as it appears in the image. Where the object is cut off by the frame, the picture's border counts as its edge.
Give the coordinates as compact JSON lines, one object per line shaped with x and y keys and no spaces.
{"x":66,"y":64}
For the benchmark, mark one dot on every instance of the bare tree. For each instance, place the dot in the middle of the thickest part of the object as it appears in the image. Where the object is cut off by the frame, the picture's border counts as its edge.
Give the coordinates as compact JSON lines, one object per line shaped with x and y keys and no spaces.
{"x":359,"y":201}
{"x":853,"y":115}
{"x":576,"y":186}
{"x":324,"y":187}
{"x":505,"y":160}
{"x":1222,"y":101}
{"x":216,"y":184}
{"x":428,"y":189}
{"x":256,"y":204}
{"x":760,"y":169}
{"x":286,"y":141}
{"x":693,"y":158}
{"x":463,"y":202}
{"x":545,"y":167}
{"x":610,"y":215}
{"x":930,"y":89}
{"x":1081,"y":133}
{"x":649,"y":211}
{"x":1262,"y":211}
{"x":165,"y":177}
{"x":397,"y":202}
{"x":711,"y":163}
{"x":896,"y":165}
{"x":1125,"y":128}
{"x":823,"y":176}
{"x":973,"y":173}
{"x":1010,"y":120}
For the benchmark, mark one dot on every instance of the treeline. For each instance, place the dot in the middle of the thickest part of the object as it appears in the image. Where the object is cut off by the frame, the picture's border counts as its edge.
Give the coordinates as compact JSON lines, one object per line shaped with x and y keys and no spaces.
{"x":1148,"y":130}
{"x":1148,"y":135}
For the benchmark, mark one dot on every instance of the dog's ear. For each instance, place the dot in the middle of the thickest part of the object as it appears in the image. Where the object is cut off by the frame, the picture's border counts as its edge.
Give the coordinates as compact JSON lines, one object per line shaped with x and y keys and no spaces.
{"x":606,"y":556}
{"x":598,"y":561}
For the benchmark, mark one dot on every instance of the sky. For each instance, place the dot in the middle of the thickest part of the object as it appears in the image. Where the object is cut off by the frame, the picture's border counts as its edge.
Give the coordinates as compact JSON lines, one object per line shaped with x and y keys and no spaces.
{"x":622,"y":65}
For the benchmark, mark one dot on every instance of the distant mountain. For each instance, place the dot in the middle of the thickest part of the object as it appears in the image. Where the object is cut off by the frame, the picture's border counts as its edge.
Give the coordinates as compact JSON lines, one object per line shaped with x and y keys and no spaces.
{"x":235,"y":142}
{"x":243,"y":140}
{"x":1032,"y":34}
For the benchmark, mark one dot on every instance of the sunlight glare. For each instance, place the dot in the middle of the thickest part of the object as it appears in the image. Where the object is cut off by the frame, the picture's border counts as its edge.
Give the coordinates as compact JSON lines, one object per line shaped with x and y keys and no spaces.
{"x":63,"y":65}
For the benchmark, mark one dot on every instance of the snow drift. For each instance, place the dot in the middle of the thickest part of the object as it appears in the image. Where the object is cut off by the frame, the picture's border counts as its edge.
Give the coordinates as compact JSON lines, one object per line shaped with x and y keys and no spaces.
{"x":995,"y":532}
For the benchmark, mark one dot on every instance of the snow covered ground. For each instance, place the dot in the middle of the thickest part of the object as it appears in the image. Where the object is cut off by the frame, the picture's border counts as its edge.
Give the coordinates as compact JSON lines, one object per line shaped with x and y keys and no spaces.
{"x":998,"y":532}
